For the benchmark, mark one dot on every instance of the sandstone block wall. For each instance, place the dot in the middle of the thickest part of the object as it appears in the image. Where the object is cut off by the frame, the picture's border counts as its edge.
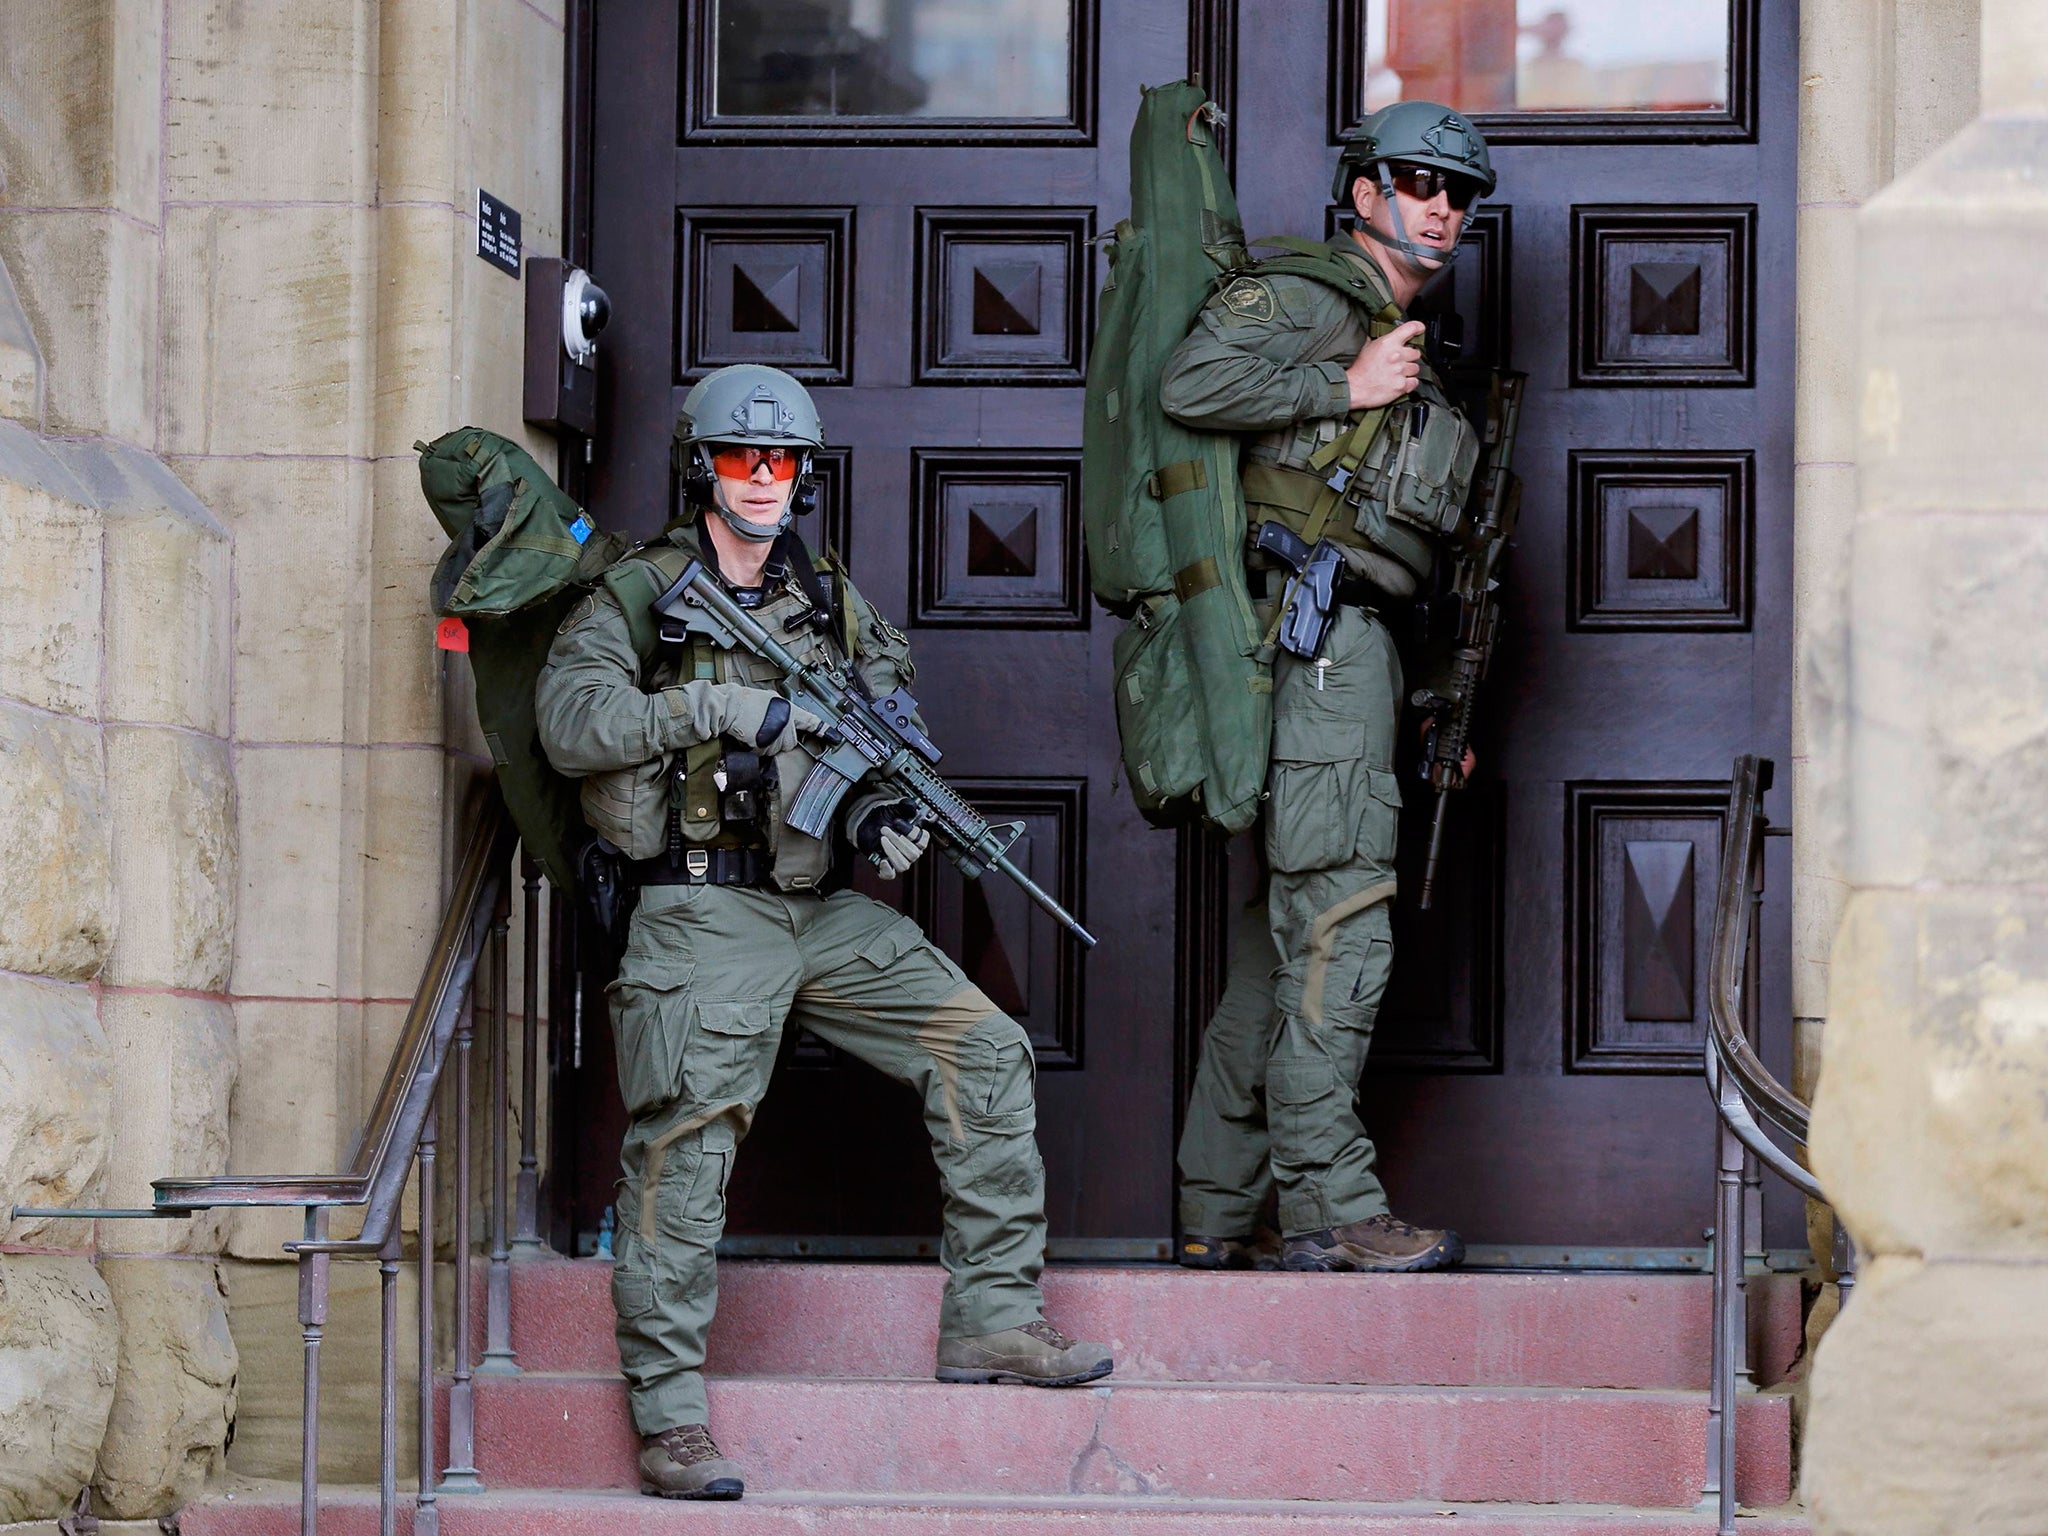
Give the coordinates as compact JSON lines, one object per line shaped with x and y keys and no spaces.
{"x":237,"y":280}
{"x":116,"y":923}
{"x":1930,"y":1393}
{"x":1884,"y":83}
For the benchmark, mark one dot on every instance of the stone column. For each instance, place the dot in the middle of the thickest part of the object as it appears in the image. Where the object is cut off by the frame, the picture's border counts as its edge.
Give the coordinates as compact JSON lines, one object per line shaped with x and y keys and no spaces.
{"x":1930,"y":1394}
{"x":1883,"y":83}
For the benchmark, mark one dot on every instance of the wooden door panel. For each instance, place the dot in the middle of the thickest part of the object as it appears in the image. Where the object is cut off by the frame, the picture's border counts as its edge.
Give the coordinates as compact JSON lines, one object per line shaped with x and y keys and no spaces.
{"x":765,"y":285}
{"x":1004,"y":296}
{"x":1660,"y":540}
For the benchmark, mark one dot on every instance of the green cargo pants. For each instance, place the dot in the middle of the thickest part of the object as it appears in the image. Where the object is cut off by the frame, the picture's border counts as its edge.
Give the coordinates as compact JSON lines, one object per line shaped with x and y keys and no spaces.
{"x":1275,"y":1099}
{"x":710,"y":977}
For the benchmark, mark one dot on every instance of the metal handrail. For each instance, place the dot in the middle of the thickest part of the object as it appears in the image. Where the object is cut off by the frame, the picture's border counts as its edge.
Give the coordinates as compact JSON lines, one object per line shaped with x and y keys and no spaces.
{"x":378,"y":1164}
{"x":401,"y":1132}
{"x":1735,"y":1114}
{"x":1741,"y":874}
{"x":1743,"y":1090}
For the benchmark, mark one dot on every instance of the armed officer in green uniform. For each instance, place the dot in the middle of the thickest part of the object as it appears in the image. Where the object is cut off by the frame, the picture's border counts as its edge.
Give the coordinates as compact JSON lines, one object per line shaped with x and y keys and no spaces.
{"x":686,"y":751}
{"x":1335,"y":396}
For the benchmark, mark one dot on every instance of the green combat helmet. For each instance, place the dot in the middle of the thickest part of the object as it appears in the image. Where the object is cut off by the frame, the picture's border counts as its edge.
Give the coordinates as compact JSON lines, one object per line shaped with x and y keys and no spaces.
{"x":1413,"y":133}
{"x":752,"y":404}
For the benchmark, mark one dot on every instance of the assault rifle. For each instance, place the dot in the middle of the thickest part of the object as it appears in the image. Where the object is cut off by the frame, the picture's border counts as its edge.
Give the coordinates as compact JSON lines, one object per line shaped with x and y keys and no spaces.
{"x":1475,"y":586}
{"x":871,"y":739}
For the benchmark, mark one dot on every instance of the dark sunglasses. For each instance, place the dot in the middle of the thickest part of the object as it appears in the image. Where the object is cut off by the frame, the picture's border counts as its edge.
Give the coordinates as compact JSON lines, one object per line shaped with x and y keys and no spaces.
{"x":1423,"y":182}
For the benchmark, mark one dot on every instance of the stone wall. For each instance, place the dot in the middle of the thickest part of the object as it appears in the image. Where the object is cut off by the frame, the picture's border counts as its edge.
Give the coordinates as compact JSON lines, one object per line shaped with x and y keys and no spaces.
{"x":1930,"y":1393}
{"x":1883,"y":82}
{"x":237,"y":280}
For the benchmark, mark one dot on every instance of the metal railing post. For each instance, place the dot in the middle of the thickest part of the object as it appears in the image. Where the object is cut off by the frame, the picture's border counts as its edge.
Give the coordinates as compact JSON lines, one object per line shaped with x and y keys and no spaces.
{"x":460,"y":1475}
{"x":312,"y":1324}
{"x":1845,"y":1264}
{"x":426,"y":1515}
{"x":1710,"y":1487}
{"x":387,"y":1385}
{"x":498,"y":1357}
{"x":526,"y":1207}
{"x":1729,"y":1332}
{"x":1754,"y":1253}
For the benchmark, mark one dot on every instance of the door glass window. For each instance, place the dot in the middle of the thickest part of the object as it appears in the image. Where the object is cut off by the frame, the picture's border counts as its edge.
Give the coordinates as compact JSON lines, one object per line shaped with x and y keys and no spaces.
{"x":893,"y":59}
{"x":1605,"y":56}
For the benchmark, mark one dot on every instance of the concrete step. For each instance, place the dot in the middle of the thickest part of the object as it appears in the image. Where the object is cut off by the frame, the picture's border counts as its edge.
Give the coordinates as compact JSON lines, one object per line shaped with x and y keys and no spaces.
{"x":1165,"y":1324}
{"x":914,"y":1438}
{"x":353,"y":1512}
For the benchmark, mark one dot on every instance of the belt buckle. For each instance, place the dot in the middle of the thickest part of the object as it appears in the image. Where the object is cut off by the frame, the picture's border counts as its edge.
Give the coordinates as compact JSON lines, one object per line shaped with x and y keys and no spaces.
{"x":698,"y":862}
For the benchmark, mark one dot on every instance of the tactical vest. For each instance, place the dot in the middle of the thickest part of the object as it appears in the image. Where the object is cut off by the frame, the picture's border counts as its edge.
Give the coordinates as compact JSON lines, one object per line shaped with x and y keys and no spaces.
{"x":678,"y":798}
{"x":1404,"y":469}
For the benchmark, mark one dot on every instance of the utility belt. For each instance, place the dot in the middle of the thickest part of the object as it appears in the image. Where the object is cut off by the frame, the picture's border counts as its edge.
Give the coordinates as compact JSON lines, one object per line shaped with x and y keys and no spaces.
{"x":703,"y":866}
{"x":1276,"y":493}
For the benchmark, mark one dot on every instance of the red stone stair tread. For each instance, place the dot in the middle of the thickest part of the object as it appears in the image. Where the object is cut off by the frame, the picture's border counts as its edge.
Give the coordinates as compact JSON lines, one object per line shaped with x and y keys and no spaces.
{"x":861,"y":1320}
{"x":913,"y":1438}
{"x":353,"y":1512}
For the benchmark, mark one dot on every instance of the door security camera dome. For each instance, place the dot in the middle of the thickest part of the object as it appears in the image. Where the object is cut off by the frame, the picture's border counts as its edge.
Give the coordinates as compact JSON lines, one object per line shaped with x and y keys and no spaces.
{"x":585,"y":310}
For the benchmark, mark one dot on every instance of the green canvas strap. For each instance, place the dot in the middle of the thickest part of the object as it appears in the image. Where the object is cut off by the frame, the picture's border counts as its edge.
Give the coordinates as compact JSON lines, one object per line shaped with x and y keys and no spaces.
{"x":636,"y":582}
{"x":1171,"y":480}
{"x":1191,"y":581}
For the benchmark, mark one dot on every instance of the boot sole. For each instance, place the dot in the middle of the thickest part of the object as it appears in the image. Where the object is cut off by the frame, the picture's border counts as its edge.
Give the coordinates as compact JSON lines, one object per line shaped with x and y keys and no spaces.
{"x":961,"y":1375}
{"x":1338,"y":1264}
{"x":710,"y":1491}
{"x":1215,"y":1263}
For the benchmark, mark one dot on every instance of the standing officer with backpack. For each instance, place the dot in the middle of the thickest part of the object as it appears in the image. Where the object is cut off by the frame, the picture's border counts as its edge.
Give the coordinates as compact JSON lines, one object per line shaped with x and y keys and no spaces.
{"x":686,"y":752}
{"x":1352,"y":439}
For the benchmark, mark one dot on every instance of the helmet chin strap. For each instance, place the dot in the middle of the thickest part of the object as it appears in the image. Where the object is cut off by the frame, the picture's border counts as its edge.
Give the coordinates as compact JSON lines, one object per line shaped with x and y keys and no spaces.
{"x":757,"y":533}
{"x":1424,"y":259}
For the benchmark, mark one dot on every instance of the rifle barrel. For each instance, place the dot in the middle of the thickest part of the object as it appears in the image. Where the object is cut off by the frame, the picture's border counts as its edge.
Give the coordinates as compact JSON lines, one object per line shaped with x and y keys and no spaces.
{"x":1436,"y":847}
{"x":1045,"y":901}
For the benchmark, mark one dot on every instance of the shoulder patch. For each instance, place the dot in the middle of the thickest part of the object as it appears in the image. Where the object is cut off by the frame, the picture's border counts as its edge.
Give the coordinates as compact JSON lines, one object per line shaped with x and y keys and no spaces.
{"x":578,"y":614}
{"x":1250,"y":298}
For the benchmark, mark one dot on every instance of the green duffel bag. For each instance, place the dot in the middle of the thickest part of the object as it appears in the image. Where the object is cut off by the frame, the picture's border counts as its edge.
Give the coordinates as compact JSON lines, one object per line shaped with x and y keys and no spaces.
{"x":1163,"y":513}
{"x":515,"y":537}
{"x":520,"y":554}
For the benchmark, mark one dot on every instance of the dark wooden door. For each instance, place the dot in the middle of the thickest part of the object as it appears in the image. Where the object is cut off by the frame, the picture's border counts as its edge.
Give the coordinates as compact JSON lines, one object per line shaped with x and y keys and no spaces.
{"x":896,"y":199}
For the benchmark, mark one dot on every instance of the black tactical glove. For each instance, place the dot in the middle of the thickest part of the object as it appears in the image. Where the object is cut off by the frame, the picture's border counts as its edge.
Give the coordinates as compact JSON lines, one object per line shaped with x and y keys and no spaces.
{"x":781,"y":723}
{"x":892,"y":836}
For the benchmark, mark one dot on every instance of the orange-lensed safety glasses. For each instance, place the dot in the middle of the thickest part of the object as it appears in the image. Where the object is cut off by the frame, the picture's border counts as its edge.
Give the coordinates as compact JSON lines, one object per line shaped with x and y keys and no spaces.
{"x":738,"y":462}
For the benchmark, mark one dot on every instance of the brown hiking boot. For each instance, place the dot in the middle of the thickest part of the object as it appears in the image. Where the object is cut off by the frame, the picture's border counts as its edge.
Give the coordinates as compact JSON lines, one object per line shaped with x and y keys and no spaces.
{"x":683,"y":1463}
{"x":1376,"y":1243}
{"x":1259,"y":1251}
{"x":1036,"y":1355}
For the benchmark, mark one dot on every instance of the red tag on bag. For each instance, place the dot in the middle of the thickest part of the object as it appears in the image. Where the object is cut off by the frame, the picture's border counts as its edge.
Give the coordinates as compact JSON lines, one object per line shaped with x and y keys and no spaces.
{"x":451,"y":634}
